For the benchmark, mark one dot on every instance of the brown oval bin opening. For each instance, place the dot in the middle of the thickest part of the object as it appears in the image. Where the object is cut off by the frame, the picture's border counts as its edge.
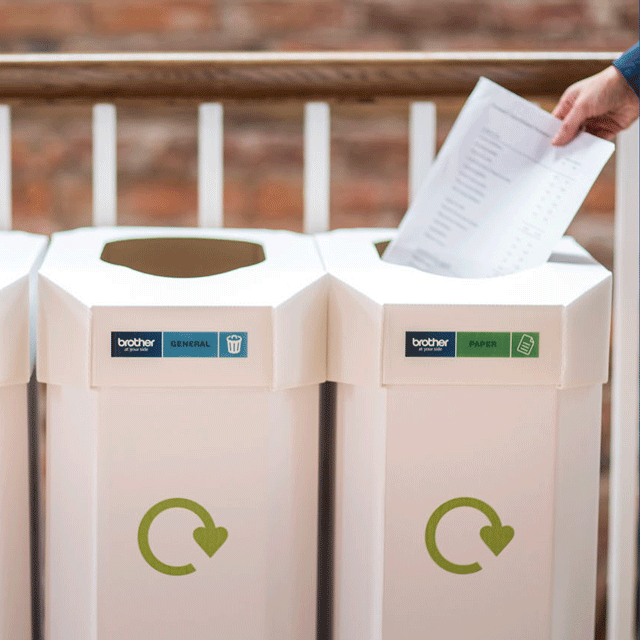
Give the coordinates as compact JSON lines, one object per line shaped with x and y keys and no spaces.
{"x":182,"y":257}
{"x":381,"y":247}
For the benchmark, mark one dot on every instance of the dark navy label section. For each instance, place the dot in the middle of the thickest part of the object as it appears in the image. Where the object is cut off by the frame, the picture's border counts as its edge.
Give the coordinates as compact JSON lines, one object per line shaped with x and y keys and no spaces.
{"x":136,"y":344}
{"x":430,"y":344}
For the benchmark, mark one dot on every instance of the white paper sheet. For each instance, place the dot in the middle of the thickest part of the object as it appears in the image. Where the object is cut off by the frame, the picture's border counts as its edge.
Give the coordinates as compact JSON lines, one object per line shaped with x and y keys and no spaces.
{"x":499,"y":196}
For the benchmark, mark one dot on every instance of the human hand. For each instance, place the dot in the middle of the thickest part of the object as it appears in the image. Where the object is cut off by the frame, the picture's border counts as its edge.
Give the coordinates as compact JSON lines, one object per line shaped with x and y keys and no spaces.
{"x":603,"y":104}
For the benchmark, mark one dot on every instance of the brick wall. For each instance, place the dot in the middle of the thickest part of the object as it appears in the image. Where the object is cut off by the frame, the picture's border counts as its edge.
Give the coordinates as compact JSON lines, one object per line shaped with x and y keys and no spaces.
{"x":134,"y":25}
{"x":157,"y":165}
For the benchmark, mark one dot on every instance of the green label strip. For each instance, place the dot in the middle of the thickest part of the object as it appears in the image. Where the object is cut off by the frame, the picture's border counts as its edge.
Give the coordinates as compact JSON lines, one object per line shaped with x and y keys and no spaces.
{"x":483,"y":344}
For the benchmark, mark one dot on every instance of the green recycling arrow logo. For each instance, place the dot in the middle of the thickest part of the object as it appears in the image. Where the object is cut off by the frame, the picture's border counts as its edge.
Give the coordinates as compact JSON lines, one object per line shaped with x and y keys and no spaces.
{"x":210,"y":538}
{"x":495,"y":536}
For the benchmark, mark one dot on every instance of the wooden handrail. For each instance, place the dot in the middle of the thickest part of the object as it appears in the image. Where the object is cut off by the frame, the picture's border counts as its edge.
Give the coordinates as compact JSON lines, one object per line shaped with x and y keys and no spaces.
{"x":282,"y":76}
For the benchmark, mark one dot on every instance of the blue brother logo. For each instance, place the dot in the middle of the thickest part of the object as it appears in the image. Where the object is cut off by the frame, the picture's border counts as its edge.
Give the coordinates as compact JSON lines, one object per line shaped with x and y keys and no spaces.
{"x":430,"y":344}
{"x":136,"y":344}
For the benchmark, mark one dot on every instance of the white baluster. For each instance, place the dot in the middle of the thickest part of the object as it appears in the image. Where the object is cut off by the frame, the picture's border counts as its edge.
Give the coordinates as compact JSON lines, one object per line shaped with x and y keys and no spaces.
{"x":623,"y":522}
{"x":422,"y":143}
{"x":5,"y":168}
{"x":210,"y":165}
{"x":105,"y":203}
{"x":317,"y":136}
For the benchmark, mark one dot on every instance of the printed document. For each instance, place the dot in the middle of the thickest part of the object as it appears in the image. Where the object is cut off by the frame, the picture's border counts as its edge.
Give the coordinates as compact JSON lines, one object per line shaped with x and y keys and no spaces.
{"x":499,"y":196}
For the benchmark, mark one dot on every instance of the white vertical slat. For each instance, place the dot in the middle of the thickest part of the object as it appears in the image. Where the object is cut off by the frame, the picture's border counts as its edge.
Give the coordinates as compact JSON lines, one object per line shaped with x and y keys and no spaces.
{"x":210,"y":165}
{"x":104,"y":165}
{"x":422,"y":143}
{"x":623,"y":522}
{"x":317,"y":135}
{"x":5,"y":168}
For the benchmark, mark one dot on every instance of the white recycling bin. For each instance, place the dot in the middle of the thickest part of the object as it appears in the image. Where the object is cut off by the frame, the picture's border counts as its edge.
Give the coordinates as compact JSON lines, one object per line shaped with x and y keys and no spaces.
{"x":468,"y":436}
{"x":183,"y":370}
{"x":20,"y":255}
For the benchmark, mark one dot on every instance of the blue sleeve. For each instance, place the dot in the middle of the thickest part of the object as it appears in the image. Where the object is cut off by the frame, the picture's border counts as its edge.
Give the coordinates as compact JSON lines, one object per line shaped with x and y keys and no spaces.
{"x":628,"y":64}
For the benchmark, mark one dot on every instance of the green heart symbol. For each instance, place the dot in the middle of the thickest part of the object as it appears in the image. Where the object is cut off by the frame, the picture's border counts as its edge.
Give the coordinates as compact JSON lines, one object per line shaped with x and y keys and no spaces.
{"x":496,"y":537}
{"x":210,"y":539}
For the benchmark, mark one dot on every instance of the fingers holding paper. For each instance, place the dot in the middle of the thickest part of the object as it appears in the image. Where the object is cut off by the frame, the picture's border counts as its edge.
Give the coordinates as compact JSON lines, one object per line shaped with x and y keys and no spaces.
{"x":602,"y":105}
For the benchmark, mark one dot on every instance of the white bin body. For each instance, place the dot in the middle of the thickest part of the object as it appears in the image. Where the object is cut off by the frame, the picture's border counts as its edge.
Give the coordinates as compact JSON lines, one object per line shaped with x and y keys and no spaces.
{"x":235,"y":555}
{"x":466,"y":484}
{"x":531,"y":453}
{"x":249,"y":457}
{"x":20,"y":255}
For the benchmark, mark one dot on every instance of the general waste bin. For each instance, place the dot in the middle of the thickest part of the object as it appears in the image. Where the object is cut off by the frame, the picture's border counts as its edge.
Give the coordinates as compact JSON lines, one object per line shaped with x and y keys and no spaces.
{"x":20,"y":254}
{"x":468,"y":436}
{"x":182,"y":371}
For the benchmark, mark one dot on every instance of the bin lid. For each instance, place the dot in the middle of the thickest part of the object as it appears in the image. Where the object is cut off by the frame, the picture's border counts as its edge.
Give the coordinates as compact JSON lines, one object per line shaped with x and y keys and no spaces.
{"x":390,"y":324}
{"x":20,"y":255}
{"x":165,"y":307}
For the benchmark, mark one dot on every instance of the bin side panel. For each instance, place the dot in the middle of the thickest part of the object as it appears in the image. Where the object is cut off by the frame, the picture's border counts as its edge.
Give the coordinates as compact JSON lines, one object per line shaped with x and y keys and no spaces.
{"x":292,"y":550}
{"x":70,"y":531}
{"x":63,"y":337}
{"x":15,"y":588}
{"x":576,"y":528}
{"x":587,"y":327}
{"x":248,"y":458}
{"x":300,"y":338}
{"x":359,"y":504}
{"x":495,"y":445}
{"x":354,"y":353}
{"x":14,"y":337}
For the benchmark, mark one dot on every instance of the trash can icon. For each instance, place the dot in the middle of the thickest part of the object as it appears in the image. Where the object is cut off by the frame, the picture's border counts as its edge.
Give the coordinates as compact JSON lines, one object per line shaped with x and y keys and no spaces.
{"x":234,"y":342}
{"x":176,"y":528}
{"x":459,"y":408}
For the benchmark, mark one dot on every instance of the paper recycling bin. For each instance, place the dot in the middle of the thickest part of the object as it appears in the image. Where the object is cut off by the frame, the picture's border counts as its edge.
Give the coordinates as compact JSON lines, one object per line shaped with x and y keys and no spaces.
{"x":183,"y":370}
{"x":20,"y":254}
{"x":468,"y":437}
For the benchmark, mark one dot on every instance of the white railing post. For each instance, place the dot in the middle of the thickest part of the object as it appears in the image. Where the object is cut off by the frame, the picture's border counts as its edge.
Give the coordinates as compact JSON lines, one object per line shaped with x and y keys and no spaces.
{"x":5,"y":168}
{"x":623,"y":515}
{"x":210,"y":165}
{"x":422,"y":143}
{"x":105,"y":204}
{"x":317,"y":146}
